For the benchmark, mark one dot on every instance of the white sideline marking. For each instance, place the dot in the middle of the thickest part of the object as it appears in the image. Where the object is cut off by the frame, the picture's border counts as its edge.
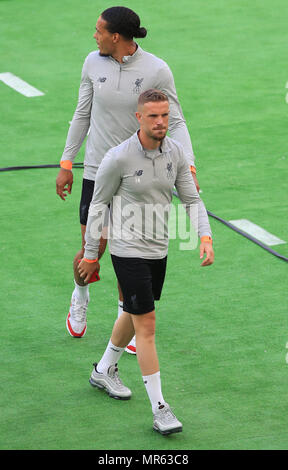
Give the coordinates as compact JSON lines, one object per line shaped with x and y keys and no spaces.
{"x":19,"y":85}
{"x":257,"y":232}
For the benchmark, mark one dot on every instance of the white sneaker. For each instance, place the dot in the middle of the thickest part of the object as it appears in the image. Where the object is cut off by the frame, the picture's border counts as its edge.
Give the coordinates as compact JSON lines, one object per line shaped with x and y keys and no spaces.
{"x":164,"y":421}
{"x":131,"y":347}
{"x":76,"y":322}
{"x":110,"y":382}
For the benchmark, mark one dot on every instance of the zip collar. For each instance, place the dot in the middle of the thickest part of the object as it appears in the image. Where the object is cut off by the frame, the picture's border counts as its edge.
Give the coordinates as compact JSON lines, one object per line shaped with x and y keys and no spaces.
{"x":130,"y":58}
{"x":127,"y":59}
{"x":164,"y":147}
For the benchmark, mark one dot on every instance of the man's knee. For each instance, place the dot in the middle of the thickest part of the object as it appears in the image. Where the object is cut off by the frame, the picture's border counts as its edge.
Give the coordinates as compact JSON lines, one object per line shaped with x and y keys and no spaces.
{"x":146,"y":324}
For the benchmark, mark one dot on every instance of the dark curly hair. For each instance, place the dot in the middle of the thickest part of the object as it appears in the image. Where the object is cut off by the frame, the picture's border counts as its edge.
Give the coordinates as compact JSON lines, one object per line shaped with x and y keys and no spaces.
{"x":124,"y":21}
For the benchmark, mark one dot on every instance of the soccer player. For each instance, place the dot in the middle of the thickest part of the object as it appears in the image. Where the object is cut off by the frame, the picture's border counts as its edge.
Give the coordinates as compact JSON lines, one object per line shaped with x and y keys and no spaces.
{"x":112,"y":79}
{"x":134,"y":176}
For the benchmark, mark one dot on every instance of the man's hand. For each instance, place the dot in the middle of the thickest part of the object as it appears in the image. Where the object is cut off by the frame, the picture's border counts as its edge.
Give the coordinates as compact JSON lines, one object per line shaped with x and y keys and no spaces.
{"x":196,"y":181}
{"x":86,"y":269}
{"x":206,"y":247}
{"x":64,"y":183}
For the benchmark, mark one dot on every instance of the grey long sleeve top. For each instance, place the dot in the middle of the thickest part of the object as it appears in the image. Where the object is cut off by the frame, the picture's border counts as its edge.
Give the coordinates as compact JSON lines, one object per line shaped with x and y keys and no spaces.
{"x":138,"y":184}
{"x":107,"y":103}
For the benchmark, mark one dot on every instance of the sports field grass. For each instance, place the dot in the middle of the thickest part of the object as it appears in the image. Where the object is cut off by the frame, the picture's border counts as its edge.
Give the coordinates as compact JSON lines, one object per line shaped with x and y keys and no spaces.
{"x":221,"y":331}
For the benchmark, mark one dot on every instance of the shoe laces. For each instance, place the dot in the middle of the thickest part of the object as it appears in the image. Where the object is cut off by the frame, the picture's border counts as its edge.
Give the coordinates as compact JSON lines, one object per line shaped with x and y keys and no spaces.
{"x":113,"y":373}
{"x":164,"y":412}
{"x":79,"y":309}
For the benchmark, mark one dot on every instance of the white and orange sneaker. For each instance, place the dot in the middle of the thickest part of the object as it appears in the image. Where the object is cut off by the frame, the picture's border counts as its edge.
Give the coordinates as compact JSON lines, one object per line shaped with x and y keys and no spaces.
{"x":131,"y":347}
{"x":76,"y":322}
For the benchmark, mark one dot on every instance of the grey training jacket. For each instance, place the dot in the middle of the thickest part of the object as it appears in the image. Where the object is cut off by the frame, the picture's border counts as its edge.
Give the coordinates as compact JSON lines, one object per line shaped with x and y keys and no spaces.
{"x":138,"y":184}
{"x":107,"y":103}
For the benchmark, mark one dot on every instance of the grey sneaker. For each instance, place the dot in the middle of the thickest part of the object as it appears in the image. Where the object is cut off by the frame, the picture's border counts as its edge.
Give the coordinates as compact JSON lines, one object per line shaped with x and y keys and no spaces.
{"x":110,"y":382}
{"x":164,"y":421}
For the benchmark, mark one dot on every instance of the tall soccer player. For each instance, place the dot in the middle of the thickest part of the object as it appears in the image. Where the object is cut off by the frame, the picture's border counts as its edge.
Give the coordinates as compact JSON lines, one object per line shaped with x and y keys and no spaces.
{"x":112,"y":79}
{"x":136,"y":175}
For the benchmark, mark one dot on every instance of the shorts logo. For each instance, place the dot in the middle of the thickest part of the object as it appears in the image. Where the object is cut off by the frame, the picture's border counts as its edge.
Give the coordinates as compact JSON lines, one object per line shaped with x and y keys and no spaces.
{"x":170,"y":173}
{"x":138,"y":85}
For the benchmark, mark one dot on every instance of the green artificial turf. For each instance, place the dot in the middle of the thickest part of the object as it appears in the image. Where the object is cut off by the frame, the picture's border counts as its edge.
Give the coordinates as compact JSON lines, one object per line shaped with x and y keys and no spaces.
{"x":221,"y":331}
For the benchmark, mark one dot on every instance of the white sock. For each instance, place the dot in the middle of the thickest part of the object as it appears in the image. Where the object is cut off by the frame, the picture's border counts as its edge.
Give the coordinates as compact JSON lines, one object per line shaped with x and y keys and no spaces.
{"x":153,"y":388}
{"x":120,"y":308}
{"x":81,"y":292}
{"x":110,"y":357}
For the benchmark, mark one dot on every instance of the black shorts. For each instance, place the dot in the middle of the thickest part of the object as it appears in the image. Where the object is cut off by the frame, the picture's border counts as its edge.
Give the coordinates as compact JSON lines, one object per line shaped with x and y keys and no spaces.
{"x":141,"y":282}
{"x":86,"y":198}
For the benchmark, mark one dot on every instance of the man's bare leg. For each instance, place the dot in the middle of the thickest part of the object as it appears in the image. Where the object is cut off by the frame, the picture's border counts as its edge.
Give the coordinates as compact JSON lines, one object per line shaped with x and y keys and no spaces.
{"x":124,"y":328}
{"x":76,"y":322}
{"x":105,"y":373}
{"x":131,"y":346}
{"x":144,"y":326}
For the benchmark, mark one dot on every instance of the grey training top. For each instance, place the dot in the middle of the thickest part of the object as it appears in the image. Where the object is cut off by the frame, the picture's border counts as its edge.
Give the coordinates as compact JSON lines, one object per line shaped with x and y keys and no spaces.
{"x":139,"y":185}
{"x":107,"y":103}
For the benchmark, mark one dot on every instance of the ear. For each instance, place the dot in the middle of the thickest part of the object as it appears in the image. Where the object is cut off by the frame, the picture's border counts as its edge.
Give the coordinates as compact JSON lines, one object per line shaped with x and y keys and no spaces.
{"x":115,"y":37}
{"x":138,"y":116}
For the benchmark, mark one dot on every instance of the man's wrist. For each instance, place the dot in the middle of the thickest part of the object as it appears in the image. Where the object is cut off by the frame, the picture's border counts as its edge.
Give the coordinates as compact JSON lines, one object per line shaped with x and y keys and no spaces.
{"x":66,"y":164}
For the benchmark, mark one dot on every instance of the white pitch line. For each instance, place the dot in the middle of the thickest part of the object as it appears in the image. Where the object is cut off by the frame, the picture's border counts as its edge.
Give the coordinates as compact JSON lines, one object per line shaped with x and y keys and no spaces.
{"x":19,"y":85}
{"x":257,"y":232}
